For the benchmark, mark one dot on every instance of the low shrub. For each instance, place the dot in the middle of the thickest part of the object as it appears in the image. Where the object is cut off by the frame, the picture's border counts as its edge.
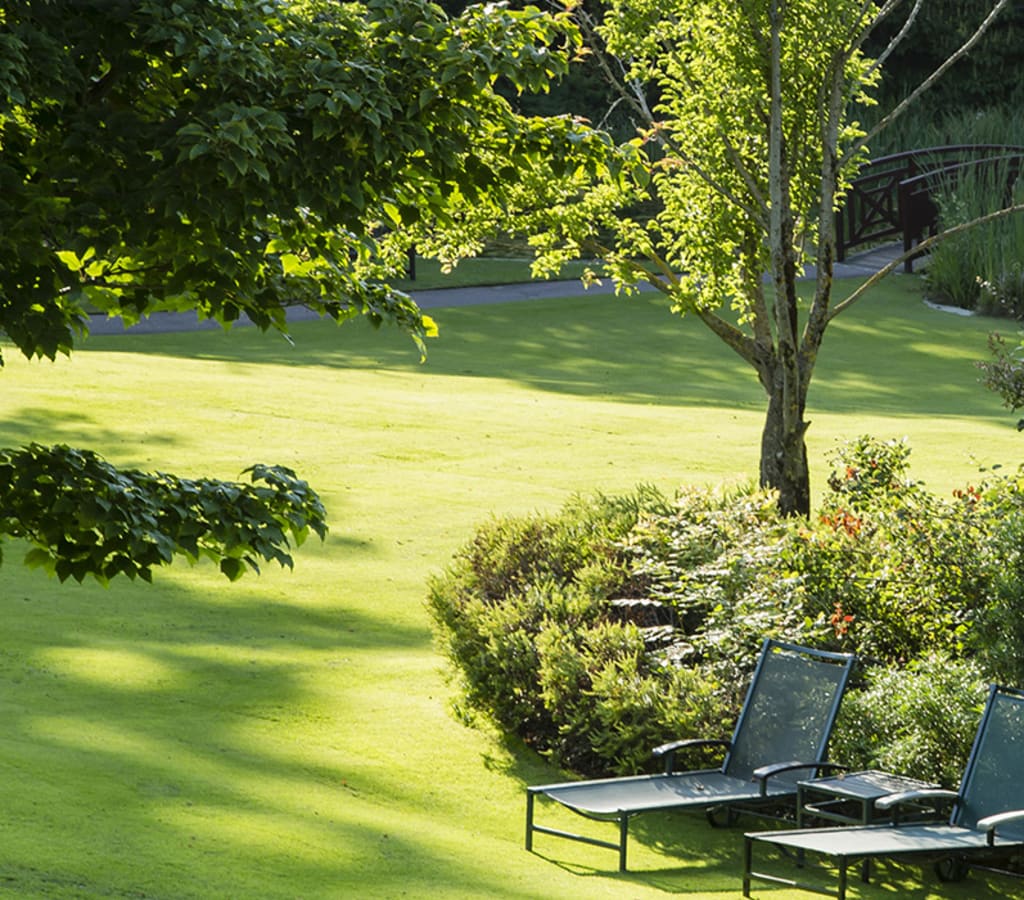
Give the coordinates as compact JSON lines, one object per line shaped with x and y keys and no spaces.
{"x":508,"y":605}
{"x":997,"y":632}
{"x":720,"y":562}
{"x":612,"y":701}
{"x":1002,"y":292}
{"x":892,"y":566}
{"x":620,"y":623}
{"x":919,"y":721}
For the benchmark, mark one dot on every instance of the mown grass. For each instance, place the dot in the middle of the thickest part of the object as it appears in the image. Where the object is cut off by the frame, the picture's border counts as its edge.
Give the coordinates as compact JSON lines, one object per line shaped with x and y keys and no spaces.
{"x":291,"y":735}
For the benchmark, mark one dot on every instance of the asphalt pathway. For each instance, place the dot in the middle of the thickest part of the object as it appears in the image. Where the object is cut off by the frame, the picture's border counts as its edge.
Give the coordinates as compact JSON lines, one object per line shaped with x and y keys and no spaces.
{"x":863,"y":265}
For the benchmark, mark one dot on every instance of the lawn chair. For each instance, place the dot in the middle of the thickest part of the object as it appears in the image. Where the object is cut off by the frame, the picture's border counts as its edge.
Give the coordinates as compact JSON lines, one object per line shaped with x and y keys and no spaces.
{"x":781,"y":736}
{"x":987,"y":821}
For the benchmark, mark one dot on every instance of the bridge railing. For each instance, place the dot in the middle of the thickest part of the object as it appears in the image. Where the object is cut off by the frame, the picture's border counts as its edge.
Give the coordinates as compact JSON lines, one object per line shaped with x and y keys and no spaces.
{"x":893,"y":195}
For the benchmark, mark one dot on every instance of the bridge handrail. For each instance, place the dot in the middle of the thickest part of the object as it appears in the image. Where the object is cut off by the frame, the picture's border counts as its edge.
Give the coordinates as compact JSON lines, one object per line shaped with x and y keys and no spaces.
{"x":925,"y":177}
{"x":879,"y":199}
{"x":947,"y":149}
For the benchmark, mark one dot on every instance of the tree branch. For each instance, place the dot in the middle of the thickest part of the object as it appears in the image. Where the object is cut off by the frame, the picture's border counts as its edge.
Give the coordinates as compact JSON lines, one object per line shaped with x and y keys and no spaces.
{"x":897,"y":39}
{"x":666,"y":286}
{"x":742,"y":344}
{"x":928,"y":82}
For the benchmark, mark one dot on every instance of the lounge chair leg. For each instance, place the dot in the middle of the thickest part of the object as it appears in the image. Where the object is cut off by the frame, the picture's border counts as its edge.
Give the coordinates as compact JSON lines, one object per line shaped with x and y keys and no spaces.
{"x":529,"y":820}
{"x":748,"y":852}
{"x":623,"y":831}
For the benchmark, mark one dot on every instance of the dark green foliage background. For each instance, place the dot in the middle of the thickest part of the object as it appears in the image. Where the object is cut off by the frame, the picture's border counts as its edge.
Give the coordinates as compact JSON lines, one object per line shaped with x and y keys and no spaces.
{"x":991,"y":74}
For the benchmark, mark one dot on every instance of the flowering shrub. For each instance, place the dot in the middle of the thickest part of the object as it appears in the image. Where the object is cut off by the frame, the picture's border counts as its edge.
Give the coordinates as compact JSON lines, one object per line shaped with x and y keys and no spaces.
{"x":1003,"y":293}
{"x":620,"y":623}
{"x":893,"y":568}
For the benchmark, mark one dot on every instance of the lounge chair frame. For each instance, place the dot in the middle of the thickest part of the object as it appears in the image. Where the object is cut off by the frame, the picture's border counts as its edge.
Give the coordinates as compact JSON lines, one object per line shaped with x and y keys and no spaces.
{"x":982,"y":827}
{"x":738,"y":785}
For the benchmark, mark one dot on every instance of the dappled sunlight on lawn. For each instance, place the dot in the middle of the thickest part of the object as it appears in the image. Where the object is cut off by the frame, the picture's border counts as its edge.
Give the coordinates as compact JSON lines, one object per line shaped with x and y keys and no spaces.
{"x":120,"y":668}
{"x":291,"y":734}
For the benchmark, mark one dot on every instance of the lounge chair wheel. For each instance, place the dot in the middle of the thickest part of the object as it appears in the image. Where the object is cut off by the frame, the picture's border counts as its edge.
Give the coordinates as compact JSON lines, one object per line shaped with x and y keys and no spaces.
{"x":952,"y":868}
{"x":722,"y":816}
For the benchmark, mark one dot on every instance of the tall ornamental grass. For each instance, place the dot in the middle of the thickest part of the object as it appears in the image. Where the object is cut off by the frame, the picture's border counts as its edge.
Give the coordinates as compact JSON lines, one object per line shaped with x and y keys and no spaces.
{"x":982,"y":268}
{"x":920,"y":128}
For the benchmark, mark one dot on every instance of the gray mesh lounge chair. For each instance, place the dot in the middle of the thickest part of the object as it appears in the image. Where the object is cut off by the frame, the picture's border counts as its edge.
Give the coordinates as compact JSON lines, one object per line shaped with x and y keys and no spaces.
{"x":987,"y":820}
{"x":781,"y":736}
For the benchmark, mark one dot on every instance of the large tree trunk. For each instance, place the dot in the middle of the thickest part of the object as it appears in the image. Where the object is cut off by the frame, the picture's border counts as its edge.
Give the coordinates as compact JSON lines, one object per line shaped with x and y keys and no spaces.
{"x":783,"y":453}
{"x":784,"y":457}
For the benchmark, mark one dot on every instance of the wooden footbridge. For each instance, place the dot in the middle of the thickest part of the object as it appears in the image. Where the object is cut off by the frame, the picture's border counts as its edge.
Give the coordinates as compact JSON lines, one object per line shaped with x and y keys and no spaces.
{"x":894,"y":196}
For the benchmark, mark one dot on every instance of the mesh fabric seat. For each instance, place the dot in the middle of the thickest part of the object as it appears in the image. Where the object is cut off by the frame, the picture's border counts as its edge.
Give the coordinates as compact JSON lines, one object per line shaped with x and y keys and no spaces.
{"x":780,"y":737}
{"x":987,"y":820}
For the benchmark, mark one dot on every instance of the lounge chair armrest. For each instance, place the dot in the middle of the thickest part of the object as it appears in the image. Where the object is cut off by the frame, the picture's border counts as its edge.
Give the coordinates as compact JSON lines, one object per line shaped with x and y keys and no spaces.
{"x":990,"y":823}
{"x":691,"y":742}
{"x":891,"y":800}
{"x":895,"y":801}
{"x":669,"y":750}
{"x":763,"y":773}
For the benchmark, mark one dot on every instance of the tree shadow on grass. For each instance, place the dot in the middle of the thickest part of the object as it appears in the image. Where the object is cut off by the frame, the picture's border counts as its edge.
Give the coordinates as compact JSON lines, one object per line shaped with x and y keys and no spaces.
{"x":689,"y":857}
{"x":889,"y":353}
{"x":580,"y":346}
{"x":28,"y":424}
{"x":159,"y":742}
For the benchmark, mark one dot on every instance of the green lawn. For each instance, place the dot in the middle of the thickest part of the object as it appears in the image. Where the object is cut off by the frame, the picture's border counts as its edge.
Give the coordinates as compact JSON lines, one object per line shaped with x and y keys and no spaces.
{"x":290,"y":736}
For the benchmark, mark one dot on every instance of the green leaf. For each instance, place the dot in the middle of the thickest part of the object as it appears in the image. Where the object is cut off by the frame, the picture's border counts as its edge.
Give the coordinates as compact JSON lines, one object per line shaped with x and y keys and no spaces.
{"x":232,"y":568}
{"x":37,"y":558}
{"x":70,"y":259}
{"x":392,"y":212}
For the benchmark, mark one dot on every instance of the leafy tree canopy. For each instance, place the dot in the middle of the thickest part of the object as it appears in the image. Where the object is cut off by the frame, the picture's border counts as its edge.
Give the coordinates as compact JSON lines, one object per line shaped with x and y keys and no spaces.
{"x":85,"y":517}
{"x":235,"y":158}
{"x":751,"y":117}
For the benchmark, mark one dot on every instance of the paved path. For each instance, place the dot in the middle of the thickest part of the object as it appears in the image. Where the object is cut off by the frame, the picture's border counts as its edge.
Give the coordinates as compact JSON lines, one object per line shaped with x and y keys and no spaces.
{"x":862,"y":265}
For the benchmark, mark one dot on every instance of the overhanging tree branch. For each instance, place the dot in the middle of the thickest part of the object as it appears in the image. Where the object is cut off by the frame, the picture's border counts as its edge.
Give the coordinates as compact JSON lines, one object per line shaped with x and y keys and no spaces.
{"x":246,"y":153}
{"x":897,"y":38}
{"x":84,"y":517}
